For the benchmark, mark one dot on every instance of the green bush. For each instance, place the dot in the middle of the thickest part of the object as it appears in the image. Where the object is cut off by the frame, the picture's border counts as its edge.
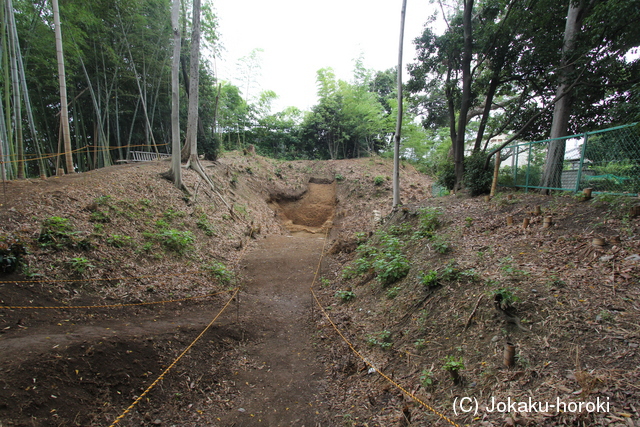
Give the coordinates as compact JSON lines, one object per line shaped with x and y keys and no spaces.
{"x":203,"y":224}
{"x":99,"y":216}
{"x":382,"y":339}
{"x":345,"y":296}
{"x":447,"y":176}
{"x":174,"y":240}
{"x":453,"y":363}
{"x":390,"y":269}
{"x":477,"y":179}
{"x":429,"y":219}
{"x":440,"y":244}
{"x":119,"y":241}
{"x":79,"y":265}
{"x":378,"y":180}
{"x":58,"y":232}
{"x":429,"y":279}
{"x":220,"y":272}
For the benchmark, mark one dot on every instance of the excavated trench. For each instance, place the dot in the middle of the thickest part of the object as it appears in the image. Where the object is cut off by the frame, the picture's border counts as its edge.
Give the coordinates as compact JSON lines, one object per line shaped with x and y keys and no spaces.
{"x":312,"y":210}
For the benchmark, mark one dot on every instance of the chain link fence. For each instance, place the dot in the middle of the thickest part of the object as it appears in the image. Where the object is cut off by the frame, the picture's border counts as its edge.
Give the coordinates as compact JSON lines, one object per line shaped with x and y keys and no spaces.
{"x":607,"y":161}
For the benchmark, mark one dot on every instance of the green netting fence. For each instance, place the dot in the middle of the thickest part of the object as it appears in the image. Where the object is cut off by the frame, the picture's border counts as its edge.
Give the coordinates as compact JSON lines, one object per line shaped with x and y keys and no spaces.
{"x":607,"y":161}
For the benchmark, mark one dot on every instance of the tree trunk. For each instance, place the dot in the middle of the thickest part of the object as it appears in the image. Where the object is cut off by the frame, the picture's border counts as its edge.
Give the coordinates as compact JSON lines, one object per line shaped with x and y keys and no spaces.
{"x":64,"y":112}
{"x":396,"y":145}
{"x":175,"y":171}
{"x":551,"y":176}
{"x":194,"y":80}
{"x":17,"y":103}
{"x":465,"y":102}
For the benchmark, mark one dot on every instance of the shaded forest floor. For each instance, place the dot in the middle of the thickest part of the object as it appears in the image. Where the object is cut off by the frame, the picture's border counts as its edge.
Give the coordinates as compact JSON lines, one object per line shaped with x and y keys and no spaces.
{"x":122,"y":237}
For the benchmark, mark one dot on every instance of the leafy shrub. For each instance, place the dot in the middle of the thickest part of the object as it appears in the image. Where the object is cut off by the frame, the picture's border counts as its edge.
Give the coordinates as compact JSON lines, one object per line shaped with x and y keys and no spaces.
{"x":381,"y":339}
{"x":172,"y":213}
{"x":477,"y":179}
{"x":80,"y":265}
{"x":162,"y":224}
{"x":119,"y":241}
{"x":426,"y":378}
{"x":203,"y":224}
{"x":174,"y":240}
{"x":378,"y":180}
{"x":440,"y":244}
{"x":58,"y":232}
{"x":429,"y":219}
{"x":345,"y":296}
{"x":505,"y":297}
{"x":447,"y":176}
{"x":390,"y":269}
{"x":429,"y":279}
{"x":393,"y":292}
{"x":453,"y":364}
{"x":100,"y":217}
{"x":103,"y":200}
{"x":220,"y":271}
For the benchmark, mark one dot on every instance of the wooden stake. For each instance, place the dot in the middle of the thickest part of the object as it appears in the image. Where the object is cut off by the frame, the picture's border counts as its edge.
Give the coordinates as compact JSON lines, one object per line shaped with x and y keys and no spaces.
{"x":509,"y":354}
{"x":487,"y":199}
{"x":537,"y":211}
{"x":509,"y":220}
{"x":496,"y":171}
{"x":525,"y":223}
{"x":548,"y":222}
{"x":587,"y":193}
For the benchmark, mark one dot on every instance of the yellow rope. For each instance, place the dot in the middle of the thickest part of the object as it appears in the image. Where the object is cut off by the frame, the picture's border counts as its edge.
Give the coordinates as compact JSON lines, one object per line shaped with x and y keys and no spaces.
{"x":162,"y":375}
{"x":9,"y":307}
{"x":357,"y":353}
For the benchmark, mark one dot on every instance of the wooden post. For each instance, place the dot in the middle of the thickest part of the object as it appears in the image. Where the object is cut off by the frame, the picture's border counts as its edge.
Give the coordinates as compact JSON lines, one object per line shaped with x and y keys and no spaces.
{"x":496,"y":170}
{"x":587,"y":193}
{"x":487,"y":199}
{"x":548,"y":221}
{"x":525,"y":223}
{"x":510,"y":220}
{"x":509,"y":354}
{"x":537,"y":211}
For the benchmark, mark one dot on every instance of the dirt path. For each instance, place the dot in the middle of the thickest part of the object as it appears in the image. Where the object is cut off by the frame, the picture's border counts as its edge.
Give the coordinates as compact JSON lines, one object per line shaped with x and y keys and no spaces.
{"x":283,"y":381}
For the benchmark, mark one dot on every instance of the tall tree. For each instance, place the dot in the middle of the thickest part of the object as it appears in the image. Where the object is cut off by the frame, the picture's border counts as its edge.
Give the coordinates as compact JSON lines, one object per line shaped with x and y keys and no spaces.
{"x":562,"y":108}
{"x":64,"y":112}
{"x":176,"y":171}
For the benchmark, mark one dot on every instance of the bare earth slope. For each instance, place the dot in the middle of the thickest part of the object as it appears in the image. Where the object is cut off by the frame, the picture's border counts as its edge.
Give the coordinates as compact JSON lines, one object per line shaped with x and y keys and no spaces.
{"x":410,"y":296}
{"x":128,"y":237}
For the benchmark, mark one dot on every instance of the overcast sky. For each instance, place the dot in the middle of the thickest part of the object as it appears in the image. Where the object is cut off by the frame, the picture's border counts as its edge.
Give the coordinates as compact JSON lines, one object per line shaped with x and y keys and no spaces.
{"x":301,"y":36}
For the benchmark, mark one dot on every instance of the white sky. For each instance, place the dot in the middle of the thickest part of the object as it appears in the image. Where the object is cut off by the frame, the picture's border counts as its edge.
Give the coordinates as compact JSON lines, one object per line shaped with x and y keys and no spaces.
{"x":301,"y":36}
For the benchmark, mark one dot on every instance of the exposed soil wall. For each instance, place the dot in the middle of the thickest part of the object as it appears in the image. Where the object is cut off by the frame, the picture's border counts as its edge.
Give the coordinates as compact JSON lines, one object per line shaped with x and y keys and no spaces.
{"x":311,"y":211}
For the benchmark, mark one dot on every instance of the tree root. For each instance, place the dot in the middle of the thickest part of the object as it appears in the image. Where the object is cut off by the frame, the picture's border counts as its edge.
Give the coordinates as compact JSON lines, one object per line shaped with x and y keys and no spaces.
{"x":195,"y":165}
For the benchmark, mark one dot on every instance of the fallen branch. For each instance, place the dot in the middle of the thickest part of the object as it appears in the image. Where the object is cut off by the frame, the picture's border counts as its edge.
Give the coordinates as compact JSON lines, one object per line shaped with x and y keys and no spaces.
{"x":473,"y":312}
